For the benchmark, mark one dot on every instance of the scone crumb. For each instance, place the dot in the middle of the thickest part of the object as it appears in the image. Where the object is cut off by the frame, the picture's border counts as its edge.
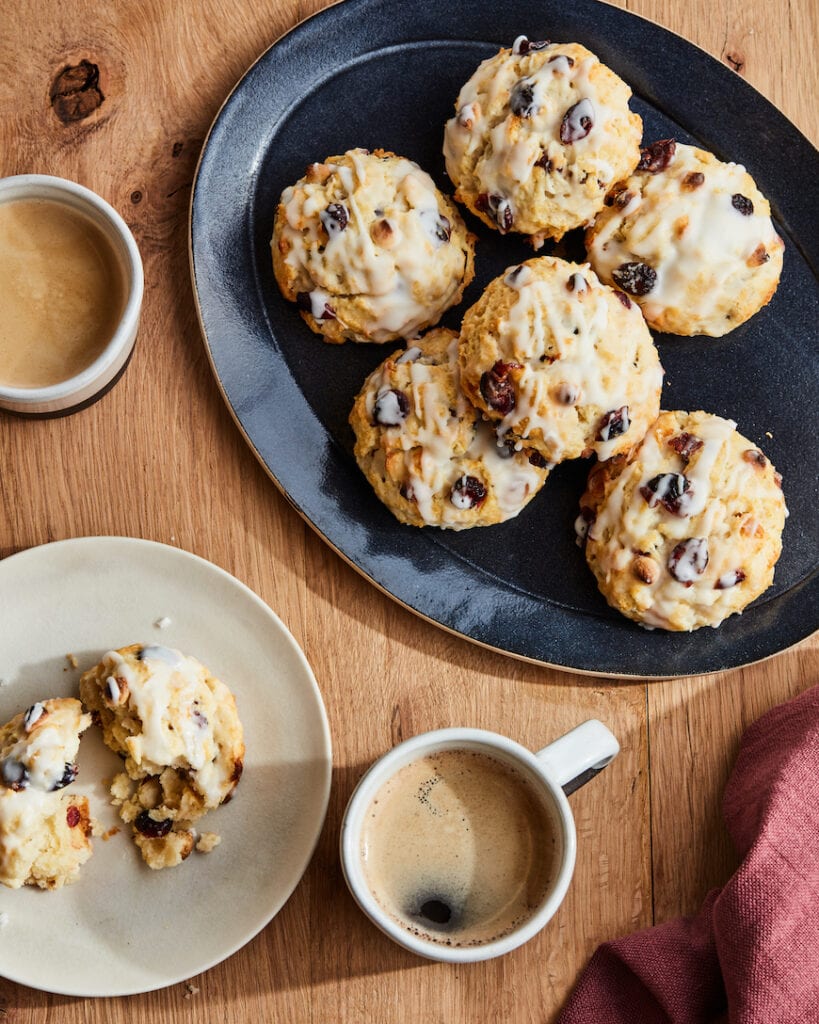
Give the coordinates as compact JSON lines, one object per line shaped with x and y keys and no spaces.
{"x":163,"y":622}
{"x":113,"y":831}
{"x":208,"y":841}
{"x":120,"y":788}
{"x":191,"y":990}
{"x":72,"y":660}
{"x":769,"y":434}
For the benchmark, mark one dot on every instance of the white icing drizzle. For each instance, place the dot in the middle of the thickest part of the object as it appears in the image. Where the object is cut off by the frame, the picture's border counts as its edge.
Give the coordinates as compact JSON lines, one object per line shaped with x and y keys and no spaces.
{"x":623,"y":526}
{"x":176,"y":708}
{"x":433,"y":462}
{"x":46,"y":748}
{"x":694,"y":239}
{"x":516,"y":144}
{"x":406,"y":284}
{"x":547,"y":317}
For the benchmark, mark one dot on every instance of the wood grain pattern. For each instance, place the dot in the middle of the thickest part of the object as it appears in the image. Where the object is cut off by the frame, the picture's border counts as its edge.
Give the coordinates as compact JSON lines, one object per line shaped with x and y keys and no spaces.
{"x":160,"y":458}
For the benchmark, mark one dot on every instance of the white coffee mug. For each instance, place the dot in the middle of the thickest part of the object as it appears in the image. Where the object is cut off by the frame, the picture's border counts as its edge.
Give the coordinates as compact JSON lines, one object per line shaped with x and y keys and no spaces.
{"x":94,"y":380}
{"x":551,"y":773}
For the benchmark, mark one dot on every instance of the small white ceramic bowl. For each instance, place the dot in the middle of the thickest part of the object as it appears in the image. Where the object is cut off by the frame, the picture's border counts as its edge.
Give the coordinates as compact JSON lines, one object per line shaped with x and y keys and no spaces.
{"x":92,"y":382}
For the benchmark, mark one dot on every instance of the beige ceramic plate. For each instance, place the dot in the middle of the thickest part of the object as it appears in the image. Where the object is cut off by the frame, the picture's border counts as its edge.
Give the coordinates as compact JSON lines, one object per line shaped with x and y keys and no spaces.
{"x":123,"y":928}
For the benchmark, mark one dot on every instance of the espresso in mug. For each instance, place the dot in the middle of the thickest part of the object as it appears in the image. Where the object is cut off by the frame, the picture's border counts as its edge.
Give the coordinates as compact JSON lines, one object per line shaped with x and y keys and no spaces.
{"x":459,"y":849}
{"x":62,"y":292}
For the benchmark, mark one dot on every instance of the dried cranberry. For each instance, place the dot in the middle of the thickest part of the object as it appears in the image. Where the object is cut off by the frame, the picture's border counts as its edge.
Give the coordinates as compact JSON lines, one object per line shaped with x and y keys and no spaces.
{"x":635,"y":278}
{"x":467,"y":492}
{"x":671,"y":490}
{"x":577,"y":122}
{"x":33,"y":716}
{"x":68,"y":776}
{"x":14,"y":774}
{"x":729,"y":579}
{"x":657,"y":156}
{"x":544,"y":162}
{"x":577,"y":283}
{"x":498,"y":208}
{"x":537,"y":460}
{"x":693,"y":180}
{"x":623,"y":298}
{"x":151,"y":828}
{"x":443,"y":229}
{"x":304,"y":300}
{"x":755,"y":457}
{"x":498,"y":391}
{"x":334,"y":219}
{"x":391,"y":407}
{"x":685,"y":445}
{"x":506,"y":448}
{"x":623,"y":198}
{"x":522,"y":100}
{"x":613,"y":424}
{"x":688,"y":560}
{"x":567,"y":394}
{"x":72,"y":816}
{"x":742,"y":203}
{"x":522,"y":46}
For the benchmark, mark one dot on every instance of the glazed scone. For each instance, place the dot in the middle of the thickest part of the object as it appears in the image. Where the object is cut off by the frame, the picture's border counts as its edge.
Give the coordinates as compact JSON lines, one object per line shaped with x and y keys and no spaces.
{"x":45,"y":833}
{"x":690,"y":239}
{"x":561,"y":361}
{"x":369,"y":249}
{"x":540,"y":134}
{"x":178,"y":730}
{"x":425,"y":450}
{"x":686,"y":530}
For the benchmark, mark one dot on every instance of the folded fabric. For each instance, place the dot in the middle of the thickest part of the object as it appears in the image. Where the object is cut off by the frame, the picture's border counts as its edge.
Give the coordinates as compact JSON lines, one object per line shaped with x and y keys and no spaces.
{"x":753,"y":949}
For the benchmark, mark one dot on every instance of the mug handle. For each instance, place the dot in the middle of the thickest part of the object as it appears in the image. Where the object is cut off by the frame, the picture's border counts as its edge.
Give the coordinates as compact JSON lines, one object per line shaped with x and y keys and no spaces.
{"x":575,"y":759}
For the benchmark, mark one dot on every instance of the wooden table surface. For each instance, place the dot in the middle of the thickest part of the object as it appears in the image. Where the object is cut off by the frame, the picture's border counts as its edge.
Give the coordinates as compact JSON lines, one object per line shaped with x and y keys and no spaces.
{"x":160,"y":457}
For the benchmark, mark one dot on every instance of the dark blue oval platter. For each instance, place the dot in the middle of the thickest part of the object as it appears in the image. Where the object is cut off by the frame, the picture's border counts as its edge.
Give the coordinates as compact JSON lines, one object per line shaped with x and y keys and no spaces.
{"x":385,"y":73}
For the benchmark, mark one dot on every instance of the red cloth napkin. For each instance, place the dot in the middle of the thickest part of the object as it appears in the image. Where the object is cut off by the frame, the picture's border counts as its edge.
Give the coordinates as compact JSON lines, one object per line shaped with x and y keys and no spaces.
{"x":754,"y":946}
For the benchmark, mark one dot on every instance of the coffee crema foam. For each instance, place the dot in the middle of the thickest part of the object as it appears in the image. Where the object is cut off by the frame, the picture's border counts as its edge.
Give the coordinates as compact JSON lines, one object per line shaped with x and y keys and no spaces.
{"x":458,"y":848}
{"x":62,"y":292}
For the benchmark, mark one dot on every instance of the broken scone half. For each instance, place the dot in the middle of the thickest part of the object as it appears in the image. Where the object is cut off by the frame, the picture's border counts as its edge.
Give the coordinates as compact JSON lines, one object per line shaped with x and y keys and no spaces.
{"x":178,"y":730}
{"x":45,"y":832}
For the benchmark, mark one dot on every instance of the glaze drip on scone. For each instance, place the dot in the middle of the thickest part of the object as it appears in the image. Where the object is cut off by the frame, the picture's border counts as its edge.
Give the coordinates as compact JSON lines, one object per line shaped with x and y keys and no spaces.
{"x":44,"y":830}
{"x":687,"y":529}
{"x":369,"y":248}
{"x":173,"y":706}
{"x":676,"y":238}
{"x":540,"y":134}
{"x":177,"y":728}
{"x":438,"y":465}
{"x":553,"y":358}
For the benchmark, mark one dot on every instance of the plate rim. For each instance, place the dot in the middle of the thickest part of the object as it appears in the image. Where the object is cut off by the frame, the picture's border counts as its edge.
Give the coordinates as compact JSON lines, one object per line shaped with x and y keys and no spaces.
{"x":324,"y":739}
{"x":706,"y":665}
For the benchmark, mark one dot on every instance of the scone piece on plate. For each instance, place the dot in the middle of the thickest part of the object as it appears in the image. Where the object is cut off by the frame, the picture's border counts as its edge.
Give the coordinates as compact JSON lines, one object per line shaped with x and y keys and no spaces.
{"x":369,"y":249}
{"x":561,"y":362}
{"x":687,"y":529}
{"x":541,"y":132}
{"x":45,"y":833}
{"x":690,"y":238}
{"x":425,"y":450}
{"x":178,"y":730}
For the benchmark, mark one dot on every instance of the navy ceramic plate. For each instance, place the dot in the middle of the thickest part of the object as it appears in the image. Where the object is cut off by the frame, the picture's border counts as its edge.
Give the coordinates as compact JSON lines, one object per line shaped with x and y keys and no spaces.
{"x":385,"y":73}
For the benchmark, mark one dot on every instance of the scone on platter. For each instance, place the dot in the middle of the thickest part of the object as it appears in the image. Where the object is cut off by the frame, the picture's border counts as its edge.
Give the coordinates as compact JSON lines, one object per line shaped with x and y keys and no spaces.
{"x":45,"y":832}
{"x":178,"y":730}
{"x":690,"y":238}
{"x":687,"y":529}
{"x":540,"y":134}
{"x":369,"y":248}
{"x":426,"y":451}
{"x":560,"y":362}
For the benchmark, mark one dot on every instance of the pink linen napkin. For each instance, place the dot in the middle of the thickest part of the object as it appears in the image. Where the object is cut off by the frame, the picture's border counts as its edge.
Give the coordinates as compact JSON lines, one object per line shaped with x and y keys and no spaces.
{"x":753,"y":948}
